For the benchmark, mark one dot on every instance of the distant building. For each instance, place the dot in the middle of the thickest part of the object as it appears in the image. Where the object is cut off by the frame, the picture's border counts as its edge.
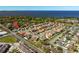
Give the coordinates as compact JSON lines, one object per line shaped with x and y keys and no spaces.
{"x":15,"y":24}
{"x":23,"y":33}
{"x":26,"y":24}
{"x":48,"y":34}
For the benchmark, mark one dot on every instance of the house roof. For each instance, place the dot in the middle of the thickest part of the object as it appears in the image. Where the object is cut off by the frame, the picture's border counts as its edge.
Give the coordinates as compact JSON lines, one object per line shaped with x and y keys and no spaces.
{"x":3,"y":32}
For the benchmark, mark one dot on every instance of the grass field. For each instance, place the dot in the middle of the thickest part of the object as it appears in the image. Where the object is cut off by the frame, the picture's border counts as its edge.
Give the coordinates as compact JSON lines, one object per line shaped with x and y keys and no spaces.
{"x":8,"y":39}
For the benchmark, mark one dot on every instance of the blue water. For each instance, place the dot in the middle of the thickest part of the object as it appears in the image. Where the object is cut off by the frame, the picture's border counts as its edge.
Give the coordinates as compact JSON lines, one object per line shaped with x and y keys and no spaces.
{"x":41,"y":13}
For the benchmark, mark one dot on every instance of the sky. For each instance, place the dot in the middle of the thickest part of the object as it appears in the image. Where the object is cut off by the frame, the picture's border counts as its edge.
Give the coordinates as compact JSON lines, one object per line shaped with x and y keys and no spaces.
{"x":34,"y":8}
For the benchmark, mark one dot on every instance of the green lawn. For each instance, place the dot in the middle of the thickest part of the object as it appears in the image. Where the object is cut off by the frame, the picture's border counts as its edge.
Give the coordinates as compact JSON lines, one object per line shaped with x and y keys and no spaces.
{"x":8,"y":39}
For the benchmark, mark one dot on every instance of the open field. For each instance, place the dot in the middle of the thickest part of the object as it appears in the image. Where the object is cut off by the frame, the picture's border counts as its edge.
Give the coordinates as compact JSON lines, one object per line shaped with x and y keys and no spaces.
{"x":8,"y":39}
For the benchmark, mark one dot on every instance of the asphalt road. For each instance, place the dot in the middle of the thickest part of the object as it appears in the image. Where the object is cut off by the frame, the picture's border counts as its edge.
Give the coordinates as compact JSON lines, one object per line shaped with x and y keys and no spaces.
{"x":30,"y":46}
